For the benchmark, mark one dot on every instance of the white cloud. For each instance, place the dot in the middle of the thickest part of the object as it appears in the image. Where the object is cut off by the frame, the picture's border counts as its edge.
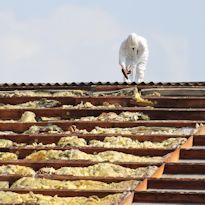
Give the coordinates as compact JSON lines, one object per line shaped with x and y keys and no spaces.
{"x":72,"y":43}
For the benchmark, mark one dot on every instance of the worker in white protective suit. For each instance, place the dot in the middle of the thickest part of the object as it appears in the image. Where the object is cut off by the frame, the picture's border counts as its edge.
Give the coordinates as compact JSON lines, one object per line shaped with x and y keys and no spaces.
{"x":133,"y":56}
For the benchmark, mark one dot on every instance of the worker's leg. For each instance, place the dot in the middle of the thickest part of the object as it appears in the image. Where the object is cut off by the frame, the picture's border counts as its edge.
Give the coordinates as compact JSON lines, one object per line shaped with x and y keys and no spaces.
{"x":139,"y":77}
{"x":133,"y":73}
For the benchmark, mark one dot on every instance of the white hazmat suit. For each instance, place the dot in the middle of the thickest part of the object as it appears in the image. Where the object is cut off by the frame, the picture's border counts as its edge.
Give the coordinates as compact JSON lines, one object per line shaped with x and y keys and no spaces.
{"x":133,"y":56}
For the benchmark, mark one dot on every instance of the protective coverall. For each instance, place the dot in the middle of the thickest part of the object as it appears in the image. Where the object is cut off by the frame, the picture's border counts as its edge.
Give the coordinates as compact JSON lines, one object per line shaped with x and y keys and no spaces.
{"x":133,"y":55}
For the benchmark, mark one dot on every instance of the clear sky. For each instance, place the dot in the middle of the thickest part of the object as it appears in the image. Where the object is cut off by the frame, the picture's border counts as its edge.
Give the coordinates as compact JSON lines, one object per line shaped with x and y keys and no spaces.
{"x":78,"y":40}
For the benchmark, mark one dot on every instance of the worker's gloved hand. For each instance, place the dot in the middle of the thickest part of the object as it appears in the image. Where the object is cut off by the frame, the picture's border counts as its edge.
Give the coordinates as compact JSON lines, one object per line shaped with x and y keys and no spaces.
{"x":126,"y":71}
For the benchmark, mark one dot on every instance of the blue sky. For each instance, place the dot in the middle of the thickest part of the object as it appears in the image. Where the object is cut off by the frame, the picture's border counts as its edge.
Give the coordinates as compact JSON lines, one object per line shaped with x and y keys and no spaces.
{"x":78,"y":40}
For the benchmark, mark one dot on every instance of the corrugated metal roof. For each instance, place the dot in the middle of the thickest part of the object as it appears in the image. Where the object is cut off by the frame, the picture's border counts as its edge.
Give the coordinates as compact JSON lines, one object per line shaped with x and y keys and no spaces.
{"x":105,"y":83}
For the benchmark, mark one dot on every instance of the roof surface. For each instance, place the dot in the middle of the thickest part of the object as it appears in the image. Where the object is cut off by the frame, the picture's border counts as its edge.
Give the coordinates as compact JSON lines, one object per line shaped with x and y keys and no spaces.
{"x":180,"y":178}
